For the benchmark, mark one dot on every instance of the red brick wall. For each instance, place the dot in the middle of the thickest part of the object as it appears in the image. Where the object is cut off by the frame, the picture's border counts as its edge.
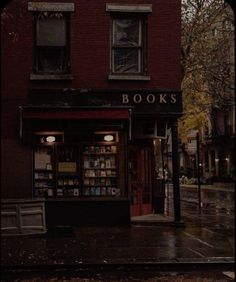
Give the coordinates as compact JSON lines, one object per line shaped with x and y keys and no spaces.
{"x":90,"y":30}
{"x":90,"y":45}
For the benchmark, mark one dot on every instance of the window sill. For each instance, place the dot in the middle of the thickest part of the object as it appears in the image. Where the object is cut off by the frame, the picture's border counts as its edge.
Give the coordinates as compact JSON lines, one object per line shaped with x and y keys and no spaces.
{"x":129,"y":77}
{"x":51,"y":77}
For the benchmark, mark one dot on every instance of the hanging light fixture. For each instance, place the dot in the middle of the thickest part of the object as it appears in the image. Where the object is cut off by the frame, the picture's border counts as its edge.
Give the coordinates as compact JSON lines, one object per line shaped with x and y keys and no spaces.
{"x":50,"y":139}
{"x":108,"y":137}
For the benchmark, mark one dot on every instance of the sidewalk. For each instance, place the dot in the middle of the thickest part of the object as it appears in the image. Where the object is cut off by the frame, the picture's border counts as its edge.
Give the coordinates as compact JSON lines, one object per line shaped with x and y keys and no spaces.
{"x":153,"y":241}
{"x":130,"y":245}
{"x":220,"y":186}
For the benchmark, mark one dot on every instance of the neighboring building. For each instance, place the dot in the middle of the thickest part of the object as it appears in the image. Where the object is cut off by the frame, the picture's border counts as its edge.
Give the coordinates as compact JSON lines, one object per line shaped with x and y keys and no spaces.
{"x":86,"y":88}
{"x":218,"y":147}
{"x":218,"y":142}
{"x":217,"y":138}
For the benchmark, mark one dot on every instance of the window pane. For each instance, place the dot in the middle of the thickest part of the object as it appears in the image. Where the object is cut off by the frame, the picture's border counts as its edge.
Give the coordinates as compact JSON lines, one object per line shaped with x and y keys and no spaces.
{"x":126,"y":32}
{"x":51,"y":32}
{"x":51,"y":60}
{"x":126,"y":60}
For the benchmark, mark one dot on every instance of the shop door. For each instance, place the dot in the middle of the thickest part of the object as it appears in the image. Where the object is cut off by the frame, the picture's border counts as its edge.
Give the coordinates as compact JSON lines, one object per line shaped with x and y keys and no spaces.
{"x":140,"y":180}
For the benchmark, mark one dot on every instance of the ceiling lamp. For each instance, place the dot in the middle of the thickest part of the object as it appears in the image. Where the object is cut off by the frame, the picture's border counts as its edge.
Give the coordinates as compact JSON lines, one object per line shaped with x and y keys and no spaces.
{"x":50,"y":139}
{"x":108,"y":137}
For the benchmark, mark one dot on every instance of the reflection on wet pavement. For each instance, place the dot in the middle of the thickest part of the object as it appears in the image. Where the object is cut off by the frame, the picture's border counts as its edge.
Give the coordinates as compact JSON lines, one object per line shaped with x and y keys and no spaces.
{"x":208,"y":235}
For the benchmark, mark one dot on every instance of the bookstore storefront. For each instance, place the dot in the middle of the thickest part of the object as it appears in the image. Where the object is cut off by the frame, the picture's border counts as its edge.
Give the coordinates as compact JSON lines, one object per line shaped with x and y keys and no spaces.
{"x":79,"y":163}
{"x":95,"y":164}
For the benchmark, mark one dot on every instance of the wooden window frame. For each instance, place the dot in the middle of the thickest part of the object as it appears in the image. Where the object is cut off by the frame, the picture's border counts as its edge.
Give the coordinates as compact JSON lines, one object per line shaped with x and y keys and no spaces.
{"x":64,"y":50}
{"x":142,"y":46}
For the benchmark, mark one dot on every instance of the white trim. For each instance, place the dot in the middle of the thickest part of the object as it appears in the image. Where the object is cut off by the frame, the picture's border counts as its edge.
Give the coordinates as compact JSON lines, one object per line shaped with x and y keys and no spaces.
{"x":51,"y":76}
{"x":51,"y":7}
{"x":128,"y":77}
{"x":141,"y":8}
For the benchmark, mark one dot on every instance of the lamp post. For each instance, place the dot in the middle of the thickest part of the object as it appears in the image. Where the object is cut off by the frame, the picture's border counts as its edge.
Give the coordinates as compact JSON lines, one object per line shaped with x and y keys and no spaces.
{"x":198,"y":174}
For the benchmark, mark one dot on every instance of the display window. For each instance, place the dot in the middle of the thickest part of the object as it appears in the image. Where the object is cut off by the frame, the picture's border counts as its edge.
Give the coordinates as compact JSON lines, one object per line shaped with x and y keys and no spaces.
{"x":86,"y":168}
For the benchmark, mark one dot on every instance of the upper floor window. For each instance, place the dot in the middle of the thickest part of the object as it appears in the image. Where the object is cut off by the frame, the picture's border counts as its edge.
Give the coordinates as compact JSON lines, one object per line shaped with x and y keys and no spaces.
{"x":128,"y":45}
{"x":51,"y":38}
{"x":51,"y":43}
{"x":129,"y":41}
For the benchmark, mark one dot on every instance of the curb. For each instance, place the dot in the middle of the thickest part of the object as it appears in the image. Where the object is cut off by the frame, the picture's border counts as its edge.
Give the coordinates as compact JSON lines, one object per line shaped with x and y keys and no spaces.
{"x":66,"y":269}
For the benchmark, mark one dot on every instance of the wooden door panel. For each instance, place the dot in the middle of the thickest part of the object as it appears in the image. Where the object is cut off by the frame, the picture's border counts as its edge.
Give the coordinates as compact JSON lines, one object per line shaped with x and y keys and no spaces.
{"x":140,"y":180}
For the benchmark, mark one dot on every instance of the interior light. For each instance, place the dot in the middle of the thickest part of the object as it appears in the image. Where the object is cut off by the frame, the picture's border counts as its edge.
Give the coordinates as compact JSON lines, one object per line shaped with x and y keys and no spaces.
{"x":108,"y":137}
{"x":50,"y":139}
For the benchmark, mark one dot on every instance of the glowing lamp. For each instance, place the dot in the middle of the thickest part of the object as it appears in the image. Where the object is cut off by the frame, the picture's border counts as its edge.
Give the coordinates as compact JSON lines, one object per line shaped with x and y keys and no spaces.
{"x":108,"y":138}
{"x":50,"y":139}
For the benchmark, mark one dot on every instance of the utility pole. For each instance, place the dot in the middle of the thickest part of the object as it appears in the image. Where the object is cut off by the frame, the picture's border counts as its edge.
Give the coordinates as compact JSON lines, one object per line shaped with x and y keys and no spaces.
{"x":175,"y":168}
{"x":198,"y":174}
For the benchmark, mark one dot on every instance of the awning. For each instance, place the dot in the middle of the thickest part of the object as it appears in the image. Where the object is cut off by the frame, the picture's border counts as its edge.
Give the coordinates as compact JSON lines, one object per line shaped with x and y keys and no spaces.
{"x":61,"y":113}
{"x":74,"y":113}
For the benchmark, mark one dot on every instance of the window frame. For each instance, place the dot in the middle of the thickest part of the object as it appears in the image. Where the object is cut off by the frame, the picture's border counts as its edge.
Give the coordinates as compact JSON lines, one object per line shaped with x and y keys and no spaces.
{"x":65,"y":50}
{"x":141,"y":47}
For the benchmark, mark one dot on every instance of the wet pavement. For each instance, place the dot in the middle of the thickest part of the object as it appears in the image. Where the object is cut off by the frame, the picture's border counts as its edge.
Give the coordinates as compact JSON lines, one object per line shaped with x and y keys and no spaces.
{"x":207,"y":238}
{"x":203,"y":276}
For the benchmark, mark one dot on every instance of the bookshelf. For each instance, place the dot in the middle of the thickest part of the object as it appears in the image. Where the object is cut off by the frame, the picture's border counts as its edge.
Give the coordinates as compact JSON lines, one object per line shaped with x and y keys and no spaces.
{"x":68,"y":183}
{"x":85,"y":168}
{"x":43,"y":177}
{"x":100,"y":170}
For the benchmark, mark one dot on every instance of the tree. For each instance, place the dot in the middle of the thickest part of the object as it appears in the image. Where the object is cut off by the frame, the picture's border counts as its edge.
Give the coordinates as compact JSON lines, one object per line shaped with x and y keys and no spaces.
{"x":207,"y":65}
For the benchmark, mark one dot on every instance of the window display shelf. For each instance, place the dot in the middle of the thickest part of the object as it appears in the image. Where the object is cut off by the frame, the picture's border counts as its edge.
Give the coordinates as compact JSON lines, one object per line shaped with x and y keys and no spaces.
{"x":100,"y":174}
{"x":76,"y":169}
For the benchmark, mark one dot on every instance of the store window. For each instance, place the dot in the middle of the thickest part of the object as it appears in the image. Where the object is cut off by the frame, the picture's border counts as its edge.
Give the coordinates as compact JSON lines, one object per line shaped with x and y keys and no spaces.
{"x":51,"y":54}
{"x":89,"y":167}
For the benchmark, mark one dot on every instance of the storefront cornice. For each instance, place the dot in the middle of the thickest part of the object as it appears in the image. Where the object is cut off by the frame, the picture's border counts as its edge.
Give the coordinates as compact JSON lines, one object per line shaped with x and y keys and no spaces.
{"x":74,"y":91}
{"x":30,"y":106}
{"x":155,"y":101}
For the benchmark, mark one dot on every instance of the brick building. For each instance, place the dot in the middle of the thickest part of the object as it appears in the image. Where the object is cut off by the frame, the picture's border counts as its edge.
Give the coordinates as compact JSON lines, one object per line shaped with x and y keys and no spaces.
{"x":86,"y":89}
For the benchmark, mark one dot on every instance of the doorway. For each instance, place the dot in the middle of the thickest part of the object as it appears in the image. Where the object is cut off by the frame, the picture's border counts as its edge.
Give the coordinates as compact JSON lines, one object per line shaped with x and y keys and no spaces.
{"x":140,"y":179}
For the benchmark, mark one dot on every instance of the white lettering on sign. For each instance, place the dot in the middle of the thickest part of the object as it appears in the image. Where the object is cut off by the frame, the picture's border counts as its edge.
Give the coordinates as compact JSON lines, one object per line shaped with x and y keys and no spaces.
{"x":137,"y":98}
{"x":149,"y":99}
{"x":163,"y":98}
{"x":173,"y":98}
{"x":125,"y":99}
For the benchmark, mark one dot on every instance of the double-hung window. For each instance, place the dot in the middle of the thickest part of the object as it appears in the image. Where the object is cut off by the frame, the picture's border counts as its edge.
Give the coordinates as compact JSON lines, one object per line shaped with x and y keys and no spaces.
{"x":128,"y":41}
{"x":51,"y":37}
{"x":127,"y":45}
{"x":51,"y":44}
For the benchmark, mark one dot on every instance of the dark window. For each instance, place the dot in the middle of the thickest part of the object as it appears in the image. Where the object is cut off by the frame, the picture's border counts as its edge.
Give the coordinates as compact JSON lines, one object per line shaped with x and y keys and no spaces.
{"x":206,"y":161}
{"x":213,"y":158}
{"x":127,"y":54}
{"x":149,"y":128}
{"x":51,"y":43}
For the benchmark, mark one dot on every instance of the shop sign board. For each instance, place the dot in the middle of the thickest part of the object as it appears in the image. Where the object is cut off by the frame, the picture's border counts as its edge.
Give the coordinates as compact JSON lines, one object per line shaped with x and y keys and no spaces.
{"x":143,"y":101}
